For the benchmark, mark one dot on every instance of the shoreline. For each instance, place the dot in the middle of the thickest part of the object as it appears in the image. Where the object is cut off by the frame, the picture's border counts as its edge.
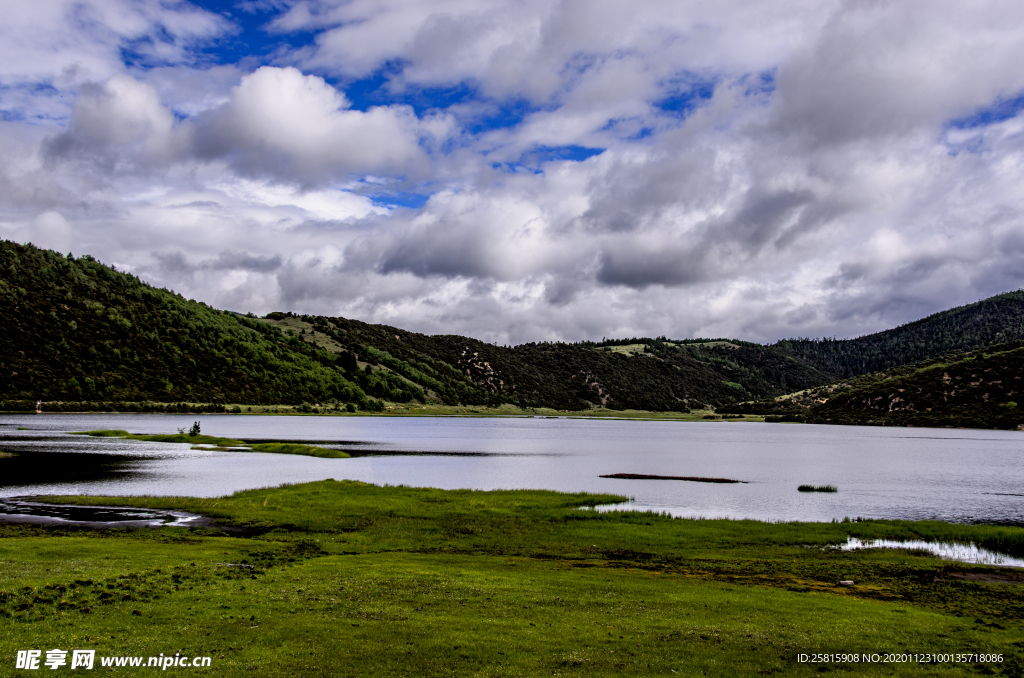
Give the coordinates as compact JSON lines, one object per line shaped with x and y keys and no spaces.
{"x":402,"y":410}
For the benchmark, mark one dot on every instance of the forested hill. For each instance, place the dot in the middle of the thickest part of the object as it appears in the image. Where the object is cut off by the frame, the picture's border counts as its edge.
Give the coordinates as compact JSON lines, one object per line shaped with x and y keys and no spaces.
{"x":976,"y":389}
{"x":77,"y":330}
{"x":992,"y":321}
{"x":652,"y":374}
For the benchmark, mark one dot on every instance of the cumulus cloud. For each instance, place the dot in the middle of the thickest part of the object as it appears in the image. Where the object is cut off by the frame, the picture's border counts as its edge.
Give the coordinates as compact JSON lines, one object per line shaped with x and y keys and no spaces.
{"x":878,"y":69}
{"x":120,"y":120}
{"x":53,"y":47}
{"x":534,"y":170}
{"x":276,"y":123}
{"x":282,"y":123}
{"x":448,"y":241}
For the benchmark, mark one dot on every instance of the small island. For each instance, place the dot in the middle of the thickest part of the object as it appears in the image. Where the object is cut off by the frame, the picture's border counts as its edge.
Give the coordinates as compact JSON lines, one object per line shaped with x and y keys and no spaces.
{"x":195,"y":438}
{"x":693,"y":479}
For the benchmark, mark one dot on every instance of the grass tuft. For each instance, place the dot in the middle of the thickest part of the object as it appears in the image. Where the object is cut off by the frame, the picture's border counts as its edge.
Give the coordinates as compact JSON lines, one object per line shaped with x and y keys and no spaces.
{"x":171,"y":438}
{"x":105,"y":433}
{"x":817,"y":488}
{"x":297,"y":448}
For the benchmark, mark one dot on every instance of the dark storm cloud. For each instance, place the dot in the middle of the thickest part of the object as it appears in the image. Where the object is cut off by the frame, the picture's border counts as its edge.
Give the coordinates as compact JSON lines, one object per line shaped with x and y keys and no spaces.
{"x":714,"y":251}
{"x":764,"y":218}
{"x":640,"y":267}
{"x":243,"y":261}
{"x":178,"y":263}
{"x":440,"y":251}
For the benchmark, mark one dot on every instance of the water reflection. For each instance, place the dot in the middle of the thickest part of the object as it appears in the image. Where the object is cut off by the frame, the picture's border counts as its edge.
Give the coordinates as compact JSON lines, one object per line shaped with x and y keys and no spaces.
{"x":53,"y":464}
{"x":964,"y":553}
{"x":21,"y":511}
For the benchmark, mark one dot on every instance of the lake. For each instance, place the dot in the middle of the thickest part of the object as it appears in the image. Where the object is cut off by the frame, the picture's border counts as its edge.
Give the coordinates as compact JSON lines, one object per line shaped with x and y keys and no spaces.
{"x":898,"y":473}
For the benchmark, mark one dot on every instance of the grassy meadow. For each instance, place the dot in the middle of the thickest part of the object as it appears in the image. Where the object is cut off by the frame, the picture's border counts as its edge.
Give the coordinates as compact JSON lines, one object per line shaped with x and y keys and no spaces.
{"x":349,"y":579}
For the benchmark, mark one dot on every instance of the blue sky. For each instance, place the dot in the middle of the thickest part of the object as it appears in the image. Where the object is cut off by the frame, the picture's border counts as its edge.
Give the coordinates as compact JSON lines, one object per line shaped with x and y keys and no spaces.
{"x":523,"y":171}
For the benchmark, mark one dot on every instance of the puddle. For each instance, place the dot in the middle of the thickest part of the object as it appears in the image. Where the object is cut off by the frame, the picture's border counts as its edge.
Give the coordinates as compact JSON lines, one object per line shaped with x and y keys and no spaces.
{"x":38,"y":513}
{"x":964,"y":553}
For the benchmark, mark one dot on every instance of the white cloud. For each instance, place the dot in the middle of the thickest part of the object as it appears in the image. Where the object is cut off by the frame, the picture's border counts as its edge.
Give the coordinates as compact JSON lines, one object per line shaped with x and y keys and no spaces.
{"x":120,"y":121}
{"x":284,"y":124}
{"x":62,"y":44}
{"x":878,"y":69}
{"x":277,"y":123}
{"x":816,"y":186}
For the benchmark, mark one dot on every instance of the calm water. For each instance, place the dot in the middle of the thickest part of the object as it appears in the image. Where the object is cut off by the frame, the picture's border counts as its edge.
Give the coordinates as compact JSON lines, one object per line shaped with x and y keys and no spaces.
{"x":964,"y":476}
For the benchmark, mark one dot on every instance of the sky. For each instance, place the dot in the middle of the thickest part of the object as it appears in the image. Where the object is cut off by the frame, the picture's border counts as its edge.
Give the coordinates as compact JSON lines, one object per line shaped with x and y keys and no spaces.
{"x":528,"y":170}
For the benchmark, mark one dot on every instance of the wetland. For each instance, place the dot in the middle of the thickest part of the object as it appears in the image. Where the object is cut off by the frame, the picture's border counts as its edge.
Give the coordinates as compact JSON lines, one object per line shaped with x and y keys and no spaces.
{"x":446,"y":547}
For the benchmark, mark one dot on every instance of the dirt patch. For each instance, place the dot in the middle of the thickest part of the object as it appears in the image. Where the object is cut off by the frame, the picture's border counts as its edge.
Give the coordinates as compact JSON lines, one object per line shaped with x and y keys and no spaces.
{"x":1009,"y":577}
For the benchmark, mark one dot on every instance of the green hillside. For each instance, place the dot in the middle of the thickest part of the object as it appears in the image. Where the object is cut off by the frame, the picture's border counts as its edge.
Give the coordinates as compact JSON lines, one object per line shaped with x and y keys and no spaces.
{"x":976,"y":389}
{"x":655,"y":374}
{"x":995,"y":320}
{"x":661,"y":374}
{"x":77,"y":330}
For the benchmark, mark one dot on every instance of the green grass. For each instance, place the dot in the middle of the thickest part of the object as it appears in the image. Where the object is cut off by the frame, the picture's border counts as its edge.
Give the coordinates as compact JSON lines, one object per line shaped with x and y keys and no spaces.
{"x":297,"y":448}
{"x":817,"y":488}
{"x":350,"y":579}
{"x":169,"y":438}
{"x":275,"y":448}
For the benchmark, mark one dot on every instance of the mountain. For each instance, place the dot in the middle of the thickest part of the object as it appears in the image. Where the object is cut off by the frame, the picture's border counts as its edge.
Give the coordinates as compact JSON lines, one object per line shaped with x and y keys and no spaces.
{"x":976,"y":389}
{"x":992,"y":321}
{"x":77,"y":330}
{"x":648,"y":374}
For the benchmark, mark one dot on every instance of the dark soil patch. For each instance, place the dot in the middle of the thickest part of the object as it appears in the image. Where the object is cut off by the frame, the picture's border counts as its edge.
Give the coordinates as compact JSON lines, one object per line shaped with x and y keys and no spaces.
{"x":985,"y":577}
{"x":694,"y":479}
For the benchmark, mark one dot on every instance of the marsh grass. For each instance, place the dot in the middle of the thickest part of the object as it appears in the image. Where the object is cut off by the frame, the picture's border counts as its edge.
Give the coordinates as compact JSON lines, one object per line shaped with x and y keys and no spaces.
{"x":198,"y":439}
{"x":817,"y":488}
{"x":223,"y":444}
{"x":516,"y":521}
{"x":350,"y":579}
{"x":297,"y":448}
